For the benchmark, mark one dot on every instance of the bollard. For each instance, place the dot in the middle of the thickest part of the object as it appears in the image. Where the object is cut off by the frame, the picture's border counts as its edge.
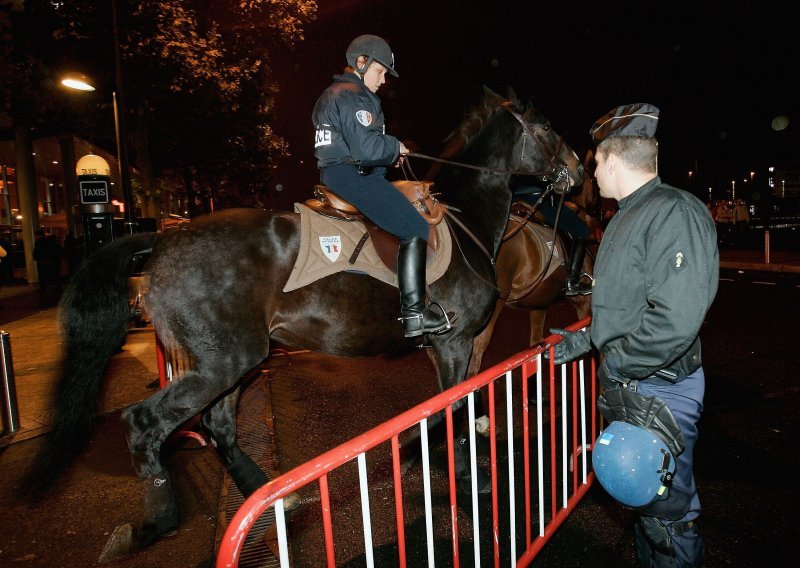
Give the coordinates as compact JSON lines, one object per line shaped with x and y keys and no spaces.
{"x":9,"y":390}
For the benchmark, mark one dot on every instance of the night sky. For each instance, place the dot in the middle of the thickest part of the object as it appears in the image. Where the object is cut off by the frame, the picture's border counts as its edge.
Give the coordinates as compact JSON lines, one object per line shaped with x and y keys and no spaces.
{"x":719,"y":71}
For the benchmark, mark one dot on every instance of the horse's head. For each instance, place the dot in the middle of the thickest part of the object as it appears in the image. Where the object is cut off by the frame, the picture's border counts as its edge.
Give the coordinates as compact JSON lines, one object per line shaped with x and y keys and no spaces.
{"x":543,"y":152}
{"x":538,"y":150}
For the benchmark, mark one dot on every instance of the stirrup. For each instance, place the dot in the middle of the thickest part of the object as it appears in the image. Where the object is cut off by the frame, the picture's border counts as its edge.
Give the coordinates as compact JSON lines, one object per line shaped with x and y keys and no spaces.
{"x":420,"y":328}
{"x":579,"y":288}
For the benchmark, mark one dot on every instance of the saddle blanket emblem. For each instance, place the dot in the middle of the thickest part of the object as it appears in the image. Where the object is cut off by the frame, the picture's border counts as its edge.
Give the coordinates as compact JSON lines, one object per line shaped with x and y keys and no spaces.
{"x":552,"y":248}
{"x":331,"y":246}
{"x":327,"y":244}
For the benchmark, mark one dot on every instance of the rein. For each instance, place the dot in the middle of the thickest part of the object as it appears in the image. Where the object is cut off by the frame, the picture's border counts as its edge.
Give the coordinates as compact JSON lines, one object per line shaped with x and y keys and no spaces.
{"x":556,"y":175}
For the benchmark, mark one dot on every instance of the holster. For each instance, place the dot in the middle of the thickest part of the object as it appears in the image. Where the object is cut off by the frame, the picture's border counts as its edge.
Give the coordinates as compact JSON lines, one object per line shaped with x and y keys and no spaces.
{"x":649,"y":412}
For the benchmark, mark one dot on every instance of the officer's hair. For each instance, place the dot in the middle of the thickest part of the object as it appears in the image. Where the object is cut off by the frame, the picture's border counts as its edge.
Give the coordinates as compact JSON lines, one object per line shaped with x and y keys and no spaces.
{"x":636,"y":152}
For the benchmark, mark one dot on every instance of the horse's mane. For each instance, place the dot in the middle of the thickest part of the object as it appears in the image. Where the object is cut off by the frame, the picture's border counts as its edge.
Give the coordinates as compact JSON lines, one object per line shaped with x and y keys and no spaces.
{"x":474,"y":121}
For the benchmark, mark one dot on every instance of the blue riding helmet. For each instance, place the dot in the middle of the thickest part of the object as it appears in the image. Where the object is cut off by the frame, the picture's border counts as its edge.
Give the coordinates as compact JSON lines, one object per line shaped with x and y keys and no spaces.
{"x":633,"y":464}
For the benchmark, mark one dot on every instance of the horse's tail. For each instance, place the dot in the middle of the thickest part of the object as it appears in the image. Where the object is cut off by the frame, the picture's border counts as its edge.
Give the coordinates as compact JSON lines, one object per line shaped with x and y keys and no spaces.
{"x":94,"y":315}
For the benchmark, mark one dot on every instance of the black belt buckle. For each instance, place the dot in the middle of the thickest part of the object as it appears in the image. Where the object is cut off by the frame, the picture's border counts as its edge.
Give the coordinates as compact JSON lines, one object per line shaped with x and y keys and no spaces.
{"x":363,"y":170}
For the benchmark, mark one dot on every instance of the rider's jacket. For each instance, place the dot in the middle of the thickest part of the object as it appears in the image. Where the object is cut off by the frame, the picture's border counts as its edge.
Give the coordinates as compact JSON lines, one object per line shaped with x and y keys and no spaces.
{"x":656,"y":275}
{"x":350,"y":126}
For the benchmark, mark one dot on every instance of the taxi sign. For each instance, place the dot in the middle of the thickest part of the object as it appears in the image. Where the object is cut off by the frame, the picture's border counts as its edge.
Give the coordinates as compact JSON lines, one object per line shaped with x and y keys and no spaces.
{"x":93,"y":191}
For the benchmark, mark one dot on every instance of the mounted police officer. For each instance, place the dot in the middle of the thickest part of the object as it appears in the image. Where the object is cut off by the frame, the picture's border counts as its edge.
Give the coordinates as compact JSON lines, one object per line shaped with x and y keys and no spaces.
{"x":353,"y":152}
{"x":656,"y":275}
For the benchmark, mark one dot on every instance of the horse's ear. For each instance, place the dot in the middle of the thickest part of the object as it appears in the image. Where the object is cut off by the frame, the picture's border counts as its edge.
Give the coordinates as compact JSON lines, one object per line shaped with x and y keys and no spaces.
{"x":512,"y":96}
{"x":490,"y":94}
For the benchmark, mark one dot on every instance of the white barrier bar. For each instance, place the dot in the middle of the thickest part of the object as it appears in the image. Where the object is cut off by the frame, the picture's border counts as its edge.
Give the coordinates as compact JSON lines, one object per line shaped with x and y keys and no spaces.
{"x":512,"y":497}
{"x":426,"y":481}
{"x":365,"y":516}
{"x":473,"y":460}
{"x":540,"y":443}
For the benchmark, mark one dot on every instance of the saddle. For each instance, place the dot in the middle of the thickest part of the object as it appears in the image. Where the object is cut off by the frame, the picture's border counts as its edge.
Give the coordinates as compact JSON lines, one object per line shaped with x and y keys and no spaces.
{"x":418,"y":193}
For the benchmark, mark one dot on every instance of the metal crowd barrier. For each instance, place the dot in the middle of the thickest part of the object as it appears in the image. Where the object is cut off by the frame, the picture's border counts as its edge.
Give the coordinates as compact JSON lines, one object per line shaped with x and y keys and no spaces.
{"x":8,"y":392}
{"x":553,"y":477}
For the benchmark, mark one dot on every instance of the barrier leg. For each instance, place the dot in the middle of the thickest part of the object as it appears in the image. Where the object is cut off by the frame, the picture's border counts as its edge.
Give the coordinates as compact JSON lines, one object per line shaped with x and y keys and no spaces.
{"x":8,"y":393}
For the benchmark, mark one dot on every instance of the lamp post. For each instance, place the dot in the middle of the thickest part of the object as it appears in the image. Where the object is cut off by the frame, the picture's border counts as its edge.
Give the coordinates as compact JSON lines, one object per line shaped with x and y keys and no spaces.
{"x":83,"y":83}
{"x":122,"y":133}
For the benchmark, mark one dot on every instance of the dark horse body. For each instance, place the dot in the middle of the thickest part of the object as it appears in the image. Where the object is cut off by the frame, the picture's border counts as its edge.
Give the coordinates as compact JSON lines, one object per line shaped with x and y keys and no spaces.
{"x":215,"y":291}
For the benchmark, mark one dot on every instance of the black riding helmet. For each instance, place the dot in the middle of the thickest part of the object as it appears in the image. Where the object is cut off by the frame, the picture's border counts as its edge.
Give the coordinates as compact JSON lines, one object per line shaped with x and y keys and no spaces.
{"x":375,"y":48}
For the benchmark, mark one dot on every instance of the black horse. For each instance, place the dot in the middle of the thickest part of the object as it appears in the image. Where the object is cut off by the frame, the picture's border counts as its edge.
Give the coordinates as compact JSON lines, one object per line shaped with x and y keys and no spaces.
{"x":215,"y":291}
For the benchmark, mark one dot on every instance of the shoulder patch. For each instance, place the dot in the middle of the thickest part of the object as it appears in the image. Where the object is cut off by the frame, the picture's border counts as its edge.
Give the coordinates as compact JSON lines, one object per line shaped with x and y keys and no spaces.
{"x":364,"y":117}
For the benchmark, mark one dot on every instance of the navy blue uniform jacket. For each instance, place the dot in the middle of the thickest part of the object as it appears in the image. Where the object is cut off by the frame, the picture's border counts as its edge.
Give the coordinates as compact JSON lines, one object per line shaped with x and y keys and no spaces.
{"x":350,"y":127}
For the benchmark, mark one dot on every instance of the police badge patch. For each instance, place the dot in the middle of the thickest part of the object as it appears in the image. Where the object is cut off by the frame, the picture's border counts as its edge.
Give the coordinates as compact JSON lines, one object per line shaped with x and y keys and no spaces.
{"x":331,"y":247}
{"x":364,"y":117}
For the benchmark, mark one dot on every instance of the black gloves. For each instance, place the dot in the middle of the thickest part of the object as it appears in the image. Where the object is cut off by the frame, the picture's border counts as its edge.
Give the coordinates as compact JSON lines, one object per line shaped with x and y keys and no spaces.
{"x":575,"y":344}
{"x":609,"y":376}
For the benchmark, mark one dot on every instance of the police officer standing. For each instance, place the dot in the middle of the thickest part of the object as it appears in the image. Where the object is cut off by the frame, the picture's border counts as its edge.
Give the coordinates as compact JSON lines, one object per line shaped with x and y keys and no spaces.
{"x":656,"y":276}
{"x":353,"y":152}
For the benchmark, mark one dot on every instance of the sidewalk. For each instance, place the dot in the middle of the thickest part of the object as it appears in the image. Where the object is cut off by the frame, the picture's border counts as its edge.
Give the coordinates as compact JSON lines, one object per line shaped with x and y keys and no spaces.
{"x":779,"y":261}
{"x":36,"y":348}
{"x":36,"y":351}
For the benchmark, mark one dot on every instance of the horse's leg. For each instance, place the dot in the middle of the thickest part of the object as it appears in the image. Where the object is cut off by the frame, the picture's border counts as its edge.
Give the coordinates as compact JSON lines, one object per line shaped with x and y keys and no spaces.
{"x":148,"y":424}
{"x":220,"y":422}
{"x":537,"y":324}
{"x":479,"y":346}
{"x":481,"y":341}
{"x":451,"y":357}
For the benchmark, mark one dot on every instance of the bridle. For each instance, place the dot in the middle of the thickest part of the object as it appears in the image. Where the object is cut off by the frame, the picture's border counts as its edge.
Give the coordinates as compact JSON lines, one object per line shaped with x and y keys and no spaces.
{"x":556,"y":176}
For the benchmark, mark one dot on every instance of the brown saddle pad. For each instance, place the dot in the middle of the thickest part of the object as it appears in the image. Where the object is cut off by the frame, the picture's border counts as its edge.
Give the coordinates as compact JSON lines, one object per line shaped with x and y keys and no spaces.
{"x":327,"y":246}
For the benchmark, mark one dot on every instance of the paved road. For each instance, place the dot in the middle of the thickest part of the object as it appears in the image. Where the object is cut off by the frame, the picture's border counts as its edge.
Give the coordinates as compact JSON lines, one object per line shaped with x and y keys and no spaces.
{"x":745,"y":460}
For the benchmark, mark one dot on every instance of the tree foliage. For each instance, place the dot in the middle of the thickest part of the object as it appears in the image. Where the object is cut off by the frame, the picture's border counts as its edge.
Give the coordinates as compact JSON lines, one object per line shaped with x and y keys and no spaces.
{"x":196,"y":78}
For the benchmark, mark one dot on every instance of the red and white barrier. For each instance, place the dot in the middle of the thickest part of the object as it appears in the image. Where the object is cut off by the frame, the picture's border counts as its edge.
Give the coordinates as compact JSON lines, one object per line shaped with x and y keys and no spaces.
{"x":553,"y":480}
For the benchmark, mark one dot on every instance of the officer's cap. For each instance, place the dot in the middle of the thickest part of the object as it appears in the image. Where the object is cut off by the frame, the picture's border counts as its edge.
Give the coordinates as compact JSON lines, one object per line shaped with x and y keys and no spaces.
{"x":639,"y":119}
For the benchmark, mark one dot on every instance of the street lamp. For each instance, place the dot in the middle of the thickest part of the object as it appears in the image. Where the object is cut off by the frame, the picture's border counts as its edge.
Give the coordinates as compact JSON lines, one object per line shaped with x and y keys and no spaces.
{"x":81,"y":82}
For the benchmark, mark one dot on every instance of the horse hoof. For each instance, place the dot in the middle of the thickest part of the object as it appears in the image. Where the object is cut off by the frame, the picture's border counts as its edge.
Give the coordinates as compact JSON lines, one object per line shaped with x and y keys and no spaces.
{"x":484,"y":483}
{"x":482,"y":426}
{"x":119,"y":545}
{"x":149,"y":533}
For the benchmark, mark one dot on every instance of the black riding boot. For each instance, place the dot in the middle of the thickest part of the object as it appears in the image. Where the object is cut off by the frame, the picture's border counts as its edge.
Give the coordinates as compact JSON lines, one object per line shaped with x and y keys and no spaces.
{"x":417,"y":316}
{"x":575,"y":286}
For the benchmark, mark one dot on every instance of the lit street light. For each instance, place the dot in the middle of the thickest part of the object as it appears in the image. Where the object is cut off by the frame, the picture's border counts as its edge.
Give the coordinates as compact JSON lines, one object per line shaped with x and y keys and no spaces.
{"x":83,"y":83}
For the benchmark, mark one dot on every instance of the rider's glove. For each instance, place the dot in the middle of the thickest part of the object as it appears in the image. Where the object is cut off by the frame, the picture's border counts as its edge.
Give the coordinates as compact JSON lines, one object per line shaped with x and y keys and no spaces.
{"x":574,"y":344}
